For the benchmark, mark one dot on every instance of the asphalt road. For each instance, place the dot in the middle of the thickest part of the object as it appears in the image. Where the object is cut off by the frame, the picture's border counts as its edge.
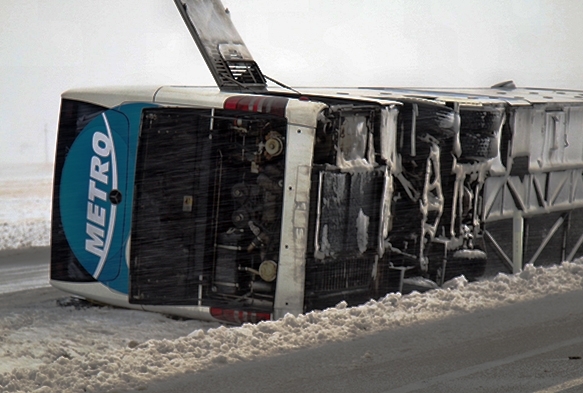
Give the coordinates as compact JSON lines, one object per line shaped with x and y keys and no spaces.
{"x":526,"y":347}
{"x":24,"y":269}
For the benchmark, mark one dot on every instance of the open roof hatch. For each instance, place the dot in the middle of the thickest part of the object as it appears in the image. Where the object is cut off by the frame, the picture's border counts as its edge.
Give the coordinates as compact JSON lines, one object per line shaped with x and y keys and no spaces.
{"x":221,"y":45}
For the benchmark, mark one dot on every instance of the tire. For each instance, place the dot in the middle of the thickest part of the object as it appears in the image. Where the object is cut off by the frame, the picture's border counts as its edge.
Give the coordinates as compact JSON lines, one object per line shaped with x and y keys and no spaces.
{"x":470,"y":263}
{"x":476,"y":147}
{"x":480,"y":120}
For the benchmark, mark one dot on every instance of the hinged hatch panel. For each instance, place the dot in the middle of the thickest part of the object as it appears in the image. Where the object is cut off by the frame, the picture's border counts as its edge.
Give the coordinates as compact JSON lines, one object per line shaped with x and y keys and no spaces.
{"x":221,"y":45}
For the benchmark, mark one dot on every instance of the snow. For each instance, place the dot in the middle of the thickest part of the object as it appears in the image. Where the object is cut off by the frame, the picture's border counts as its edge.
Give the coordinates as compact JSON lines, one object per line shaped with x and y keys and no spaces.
{"x":46,"y":348}
{"x":49,"y":348}
{"x":362,"y":222}
{"x":25,"y":209}
{"x":37,"y":337}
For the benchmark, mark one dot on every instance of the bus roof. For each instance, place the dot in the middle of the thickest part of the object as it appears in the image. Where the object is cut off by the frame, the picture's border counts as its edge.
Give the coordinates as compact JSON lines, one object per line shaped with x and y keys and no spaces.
{"x":213,"y":97}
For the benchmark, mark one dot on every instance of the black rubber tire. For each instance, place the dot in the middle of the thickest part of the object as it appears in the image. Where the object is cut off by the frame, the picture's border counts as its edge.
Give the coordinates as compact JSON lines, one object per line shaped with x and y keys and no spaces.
{"x":476,"y":146}
{"x":472,"y":268}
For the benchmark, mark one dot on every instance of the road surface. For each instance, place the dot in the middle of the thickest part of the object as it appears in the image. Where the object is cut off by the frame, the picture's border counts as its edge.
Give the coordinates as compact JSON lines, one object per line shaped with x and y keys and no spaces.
{"x":525,"y":347}
{"x":24,"y":269}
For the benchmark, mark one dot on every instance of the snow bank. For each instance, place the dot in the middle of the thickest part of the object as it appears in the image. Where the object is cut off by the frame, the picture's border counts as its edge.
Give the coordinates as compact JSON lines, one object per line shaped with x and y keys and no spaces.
{"x":32,"y":233}
{"x":25,"y":206}
{"x":44,"y":335}
{"x":73,"y":359}
{"x":47,"y":348}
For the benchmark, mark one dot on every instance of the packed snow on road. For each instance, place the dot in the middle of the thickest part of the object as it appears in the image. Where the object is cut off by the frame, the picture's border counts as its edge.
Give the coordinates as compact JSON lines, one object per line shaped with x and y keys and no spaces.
{"x":62,"y":346}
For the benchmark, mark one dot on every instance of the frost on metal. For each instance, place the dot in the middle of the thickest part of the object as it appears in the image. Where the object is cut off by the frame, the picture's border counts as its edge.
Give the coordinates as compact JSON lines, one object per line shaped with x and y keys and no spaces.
{"x":362,"y":221}
{"x":355,"y":146}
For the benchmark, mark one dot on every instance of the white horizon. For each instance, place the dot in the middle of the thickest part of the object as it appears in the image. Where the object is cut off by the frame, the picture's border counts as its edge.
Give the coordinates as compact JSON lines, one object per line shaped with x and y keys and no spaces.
{"x":49,"y":46}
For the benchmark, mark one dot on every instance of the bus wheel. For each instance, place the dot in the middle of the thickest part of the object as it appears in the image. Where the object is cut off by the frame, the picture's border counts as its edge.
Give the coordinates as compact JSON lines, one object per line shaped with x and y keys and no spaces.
{"x":468,"y":262}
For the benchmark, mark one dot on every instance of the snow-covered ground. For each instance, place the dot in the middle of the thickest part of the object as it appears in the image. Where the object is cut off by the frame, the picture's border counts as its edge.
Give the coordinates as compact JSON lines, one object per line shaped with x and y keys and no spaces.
{"x":25,"y":205}
{"x":45,"y":347}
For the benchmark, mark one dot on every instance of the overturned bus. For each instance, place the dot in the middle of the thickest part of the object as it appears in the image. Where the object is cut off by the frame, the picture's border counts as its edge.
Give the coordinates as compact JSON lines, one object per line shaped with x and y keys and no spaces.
{"x":244,"y":203}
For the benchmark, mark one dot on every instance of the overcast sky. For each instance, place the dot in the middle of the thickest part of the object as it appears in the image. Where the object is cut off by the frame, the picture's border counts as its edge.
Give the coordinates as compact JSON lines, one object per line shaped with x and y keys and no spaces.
{"x":49,"y":46}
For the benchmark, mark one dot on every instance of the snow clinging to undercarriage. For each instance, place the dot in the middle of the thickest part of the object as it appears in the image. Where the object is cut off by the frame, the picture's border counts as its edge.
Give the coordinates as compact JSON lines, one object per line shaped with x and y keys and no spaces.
{"x":362,"y":231}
